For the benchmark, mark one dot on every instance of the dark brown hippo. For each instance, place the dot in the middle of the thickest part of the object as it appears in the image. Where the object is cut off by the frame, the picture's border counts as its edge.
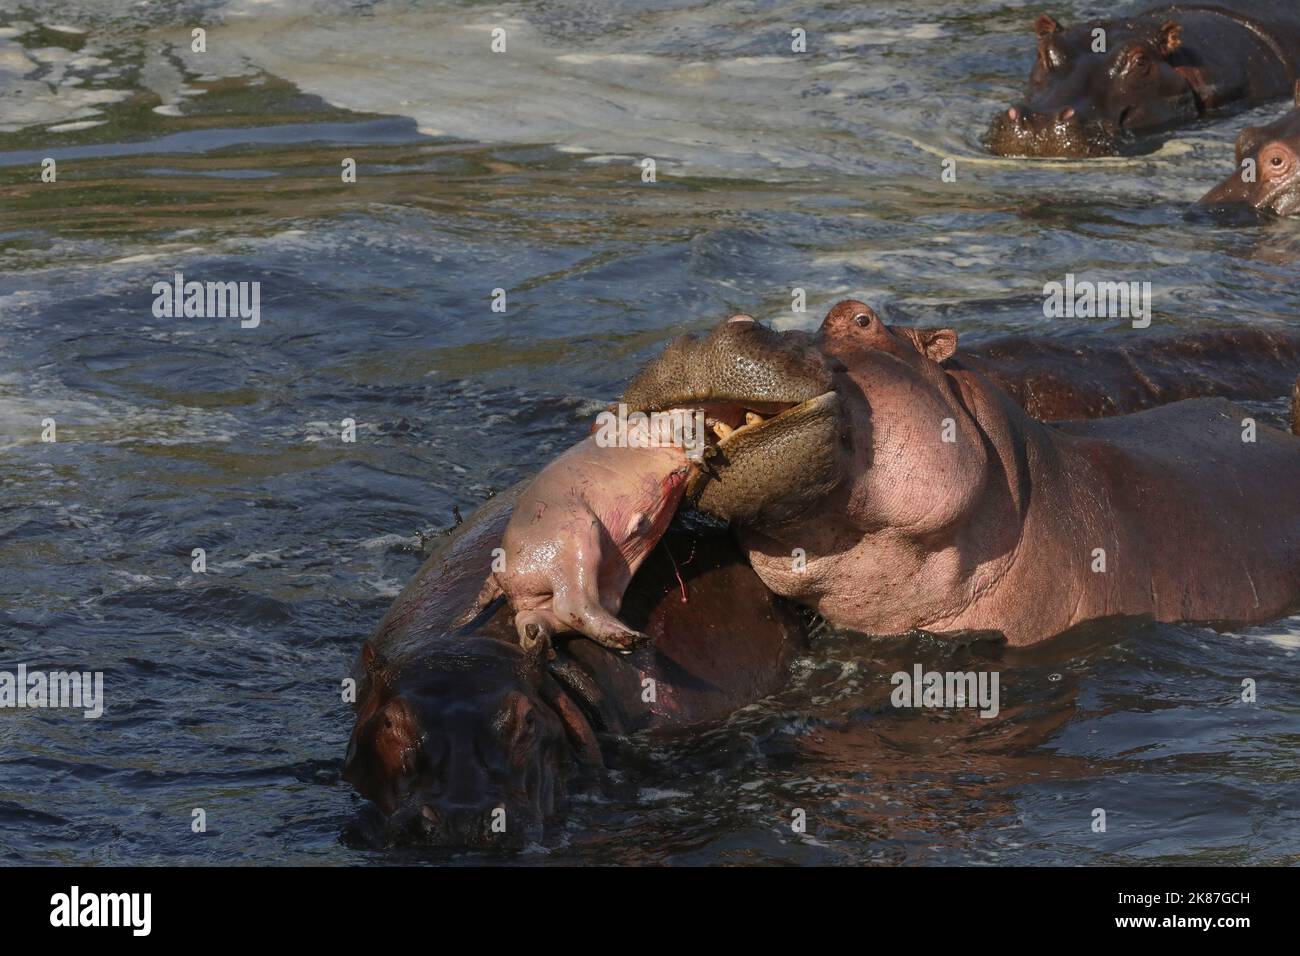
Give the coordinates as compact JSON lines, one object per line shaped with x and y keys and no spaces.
{"x":1097,"y":86}
{"x":459,"y":729}
{"x":1267,"y":178}
{"x":888,"y":492}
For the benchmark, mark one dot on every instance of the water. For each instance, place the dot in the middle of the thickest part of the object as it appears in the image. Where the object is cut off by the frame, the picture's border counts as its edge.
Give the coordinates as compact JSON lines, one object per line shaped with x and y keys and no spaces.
{"x":477,"y":171}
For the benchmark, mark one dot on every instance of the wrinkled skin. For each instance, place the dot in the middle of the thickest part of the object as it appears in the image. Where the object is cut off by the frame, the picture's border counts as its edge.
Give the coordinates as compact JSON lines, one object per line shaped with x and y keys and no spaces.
{"x":1267,"y":178}
{"x":578,"y":534}
{"x":456,"y":723}
{"x":1159,"y":69}
{"x":957,"y":511}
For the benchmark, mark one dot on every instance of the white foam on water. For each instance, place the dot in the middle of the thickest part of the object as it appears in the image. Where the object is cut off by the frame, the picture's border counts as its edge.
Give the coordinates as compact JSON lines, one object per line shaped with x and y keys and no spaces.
{"x":432,"y":65}
{"x":876,"y":36}
{"x":45,"y":85}
{"x":1283,"y":633}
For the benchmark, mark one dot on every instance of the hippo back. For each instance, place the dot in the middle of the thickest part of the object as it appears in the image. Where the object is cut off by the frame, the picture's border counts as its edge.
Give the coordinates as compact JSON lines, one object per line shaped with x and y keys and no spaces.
{"x":1095,"y":376}
{"x":419,"y":622}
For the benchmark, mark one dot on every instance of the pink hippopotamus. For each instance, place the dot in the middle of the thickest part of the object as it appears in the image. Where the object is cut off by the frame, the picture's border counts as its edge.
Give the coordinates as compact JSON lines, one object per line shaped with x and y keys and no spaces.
{"x":580,"y":531}
{"x":890,"y":489}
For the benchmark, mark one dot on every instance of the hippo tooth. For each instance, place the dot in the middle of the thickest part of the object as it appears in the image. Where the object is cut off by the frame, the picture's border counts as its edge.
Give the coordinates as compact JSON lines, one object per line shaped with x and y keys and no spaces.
{"x":722,"y":429}
{"x":752,"y":418}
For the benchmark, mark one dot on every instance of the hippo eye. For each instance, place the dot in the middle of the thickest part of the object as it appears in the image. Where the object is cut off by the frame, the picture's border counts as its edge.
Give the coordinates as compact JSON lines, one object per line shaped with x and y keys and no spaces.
{"x":1276,"y":160}
{"x":1135,"y":61}
{"x":863,"y":319}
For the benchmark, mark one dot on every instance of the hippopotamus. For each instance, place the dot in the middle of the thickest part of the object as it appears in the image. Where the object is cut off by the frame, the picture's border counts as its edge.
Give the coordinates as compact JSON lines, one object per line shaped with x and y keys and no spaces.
{"x":579,"y":532}
{"x":1267,"y":177}
{"x":1098,"y":86}
{"x":458,"y":721}
{"x":889,"y":492}
{"x":465,"y":737}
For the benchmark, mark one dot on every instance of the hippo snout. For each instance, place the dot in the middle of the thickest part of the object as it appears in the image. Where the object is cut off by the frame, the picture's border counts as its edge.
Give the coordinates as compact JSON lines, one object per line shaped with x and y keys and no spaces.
{"x":772,"y":415}
{"x":456,"y":762}
{"x":1062,"y":131}
{"x":484,"y":825}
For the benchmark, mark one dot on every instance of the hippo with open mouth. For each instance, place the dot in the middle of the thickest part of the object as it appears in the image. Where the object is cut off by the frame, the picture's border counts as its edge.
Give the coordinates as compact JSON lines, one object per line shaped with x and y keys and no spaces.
{"x":1097,"y":86}
{"x":1267,"y":178}
{"x":889,"y":492}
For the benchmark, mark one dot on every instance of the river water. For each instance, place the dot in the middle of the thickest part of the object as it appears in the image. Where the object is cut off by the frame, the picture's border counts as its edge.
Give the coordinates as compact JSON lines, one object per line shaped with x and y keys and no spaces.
{"x":522,"y":171}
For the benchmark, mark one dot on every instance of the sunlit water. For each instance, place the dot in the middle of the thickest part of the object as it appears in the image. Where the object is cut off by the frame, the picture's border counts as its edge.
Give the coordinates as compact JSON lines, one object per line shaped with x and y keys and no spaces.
{"x":521,"y":171}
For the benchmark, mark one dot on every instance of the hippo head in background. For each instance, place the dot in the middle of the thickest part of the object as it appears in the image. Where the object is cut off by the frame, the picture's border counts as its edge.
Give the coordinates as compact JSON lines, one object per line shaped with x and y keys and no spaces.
{"x":771,"y":410}
{"x":1267,"y":178}
{"x":450,"y":740}
{"x":1082,"y":103}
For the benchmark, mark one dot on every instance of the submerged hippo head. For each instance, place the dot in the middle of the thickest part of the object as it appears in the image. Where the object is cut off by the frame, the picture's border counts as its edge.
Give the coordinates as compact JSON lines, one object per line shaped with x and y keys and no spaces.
{"x":464,"y":748}
{"x":1089,"y":91}
{"x":769,"y":403}
{"x":1267,"y":178}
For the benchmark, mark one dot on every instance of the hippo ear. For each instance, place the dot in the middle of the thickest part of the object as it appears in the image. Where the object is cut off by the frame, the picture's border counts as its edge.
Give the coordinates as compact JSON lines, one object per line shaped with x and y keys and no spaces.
{"x":1171,"y":37}
{"x":576,"y":725}
{"x":938,"y":345}
{"x":1297,"y":92}
{"x":1046,"y":26}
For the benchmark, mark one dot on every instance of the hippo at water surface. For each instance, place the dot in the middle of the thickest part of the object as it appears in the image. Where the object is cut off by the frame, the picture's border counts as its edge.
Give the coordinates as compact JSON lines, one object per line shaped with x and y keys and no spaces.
{"x":1096,"y":87}
{"x":921,"y":495}
{"x":1267,"y":177}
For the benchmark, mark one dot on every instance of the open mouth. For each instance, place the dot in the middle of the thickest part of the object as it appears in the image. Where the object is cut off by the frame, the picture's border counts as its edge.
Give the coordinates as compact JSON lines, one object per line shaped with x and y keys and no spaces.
{"x":757,"y":414}
{"x":724,"y":420}
{"x":732,"y":427}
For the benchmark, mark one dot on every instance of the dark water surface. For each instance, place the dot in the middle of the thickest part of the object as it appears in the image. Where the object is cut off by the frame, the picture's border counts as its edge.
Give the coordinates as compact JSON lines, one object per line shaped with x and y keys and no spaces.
{"x":479,"y":171}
